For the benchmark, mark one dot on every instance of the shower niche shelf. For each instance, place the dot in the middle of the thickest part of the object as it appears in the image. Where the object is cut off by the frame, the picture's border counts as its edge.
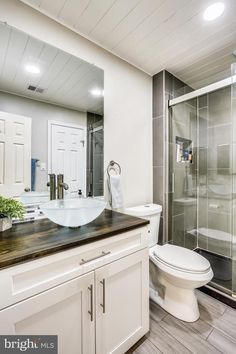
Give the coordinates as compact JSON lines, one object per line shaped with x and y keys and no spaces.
{"x":184,"y":150}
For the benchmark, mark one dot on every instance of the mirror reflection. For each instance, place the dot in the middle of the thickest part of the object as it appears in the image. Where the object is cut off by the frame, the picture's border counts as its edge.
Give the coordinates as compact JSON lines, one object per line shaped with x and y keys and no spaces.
{"x":51,"y":120}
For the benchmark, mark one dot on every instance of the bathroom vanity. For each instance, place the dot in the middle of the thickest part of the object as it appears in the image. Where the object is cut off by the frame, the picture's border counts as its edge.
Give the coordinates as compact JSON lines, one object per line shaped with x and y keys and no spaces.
{"x":87,"y":285}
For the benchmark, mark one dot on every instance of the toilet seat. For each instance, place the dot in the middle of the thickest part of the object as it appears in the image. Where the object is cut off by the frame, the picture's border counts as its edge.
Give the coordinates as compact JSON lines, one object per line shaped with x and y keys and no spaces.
{"x":180,"y":259}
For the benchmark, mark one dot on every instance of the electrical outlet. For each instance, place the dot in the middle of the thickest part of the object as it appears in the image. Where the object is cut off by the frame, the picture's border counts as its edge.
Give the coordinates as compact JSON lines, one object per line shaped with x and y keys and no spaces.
{"x":43,"y":166}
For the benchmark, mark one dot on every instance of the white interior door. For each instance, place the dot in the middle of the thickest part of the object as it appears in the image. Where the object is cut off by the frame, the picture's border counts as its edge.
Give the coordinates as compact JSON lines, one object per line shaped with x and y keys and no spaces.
{"x":64,"y":311}
{"x":15,"y":154}
{"x":68,"y":156}
{"x":122,"y":303}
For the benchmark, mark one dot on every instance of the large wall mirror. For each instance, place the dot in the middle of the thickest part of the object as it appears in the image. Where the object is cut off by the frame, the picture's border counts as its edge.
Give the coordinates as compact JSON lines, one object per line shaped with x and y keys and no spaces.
{"x":51,"y":119}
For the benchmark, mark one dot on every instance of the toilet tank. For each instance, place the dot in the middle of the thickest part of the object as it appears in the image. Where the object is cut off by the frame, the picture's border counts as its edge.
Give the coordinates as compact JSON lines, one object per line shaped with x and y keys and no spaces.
{"x":151,"y":212}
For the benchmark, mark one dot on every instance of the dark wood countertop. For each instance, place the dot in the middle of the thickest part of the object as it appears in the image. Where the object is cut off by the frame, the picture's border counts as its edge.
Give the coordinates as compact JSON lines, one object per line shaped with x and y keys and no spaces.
{"x":32,"y":240}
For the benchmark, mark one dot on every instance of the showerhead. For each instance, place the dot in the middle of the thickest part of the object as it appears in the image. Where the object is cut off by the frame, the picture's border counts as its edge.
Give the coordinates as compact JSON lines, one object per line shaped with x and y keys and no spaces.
{"x":234,"y":53}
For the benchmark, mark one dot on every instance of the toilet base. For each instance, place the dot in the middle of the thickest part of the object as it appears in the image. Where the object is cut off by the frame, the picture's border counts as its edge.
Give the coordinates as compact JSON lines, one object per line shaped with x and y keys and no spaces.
{"x":181,"y":303}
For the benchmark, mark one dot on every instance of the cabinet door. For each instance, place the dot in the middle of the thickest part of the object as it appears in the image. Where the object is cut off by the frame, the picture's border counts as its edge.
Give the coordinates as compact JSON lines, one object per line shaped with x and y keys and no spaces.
{"x":122,"y":303}
{"x":66,"y":311}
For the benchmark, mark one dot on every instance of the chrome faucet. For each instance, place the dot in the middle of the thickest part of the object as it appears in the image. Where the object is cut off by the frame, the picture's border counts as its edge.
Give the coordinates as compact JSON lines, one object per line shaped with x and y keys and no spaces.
{"x":61,"y":186}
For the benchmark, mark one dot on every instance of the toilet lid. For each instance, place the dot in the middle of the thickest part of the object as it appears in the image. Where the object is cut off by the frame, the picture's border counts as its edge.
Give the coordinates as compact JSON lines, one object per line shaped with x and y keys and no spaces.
{"x":181,"y":258}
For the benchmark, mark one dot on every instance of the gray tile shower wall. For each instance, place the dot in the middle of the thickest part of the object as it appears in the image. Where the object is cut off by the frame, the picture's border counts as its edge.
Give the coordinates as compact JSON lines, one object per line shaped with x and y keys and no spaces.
{"x":165,"y":87}
{"x":158,"y":93}
{"x":158,"y":144}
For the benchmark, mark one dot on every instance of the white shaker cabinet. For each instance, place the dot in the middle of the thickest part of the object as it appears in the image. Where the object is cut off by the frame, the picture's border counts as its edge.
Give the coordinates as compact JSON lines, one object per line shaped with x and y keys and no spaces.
{"x":64,"y":311}
{"x":122,"y":303}
{"x":94,"y":297}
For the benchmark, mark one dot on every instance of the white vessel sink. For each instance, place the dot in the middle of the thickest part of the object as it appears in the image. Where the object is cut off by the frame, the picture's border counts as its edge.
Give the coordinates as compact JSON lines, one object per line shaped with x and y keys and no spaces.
{"x":73,"y":212}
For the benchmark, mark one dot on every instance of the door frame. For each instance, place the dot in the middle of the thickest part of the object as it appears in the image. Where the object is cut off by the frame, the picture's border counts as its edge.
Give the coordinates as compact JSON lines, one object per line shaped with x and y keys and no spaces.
{"x":89,"y":157}
{"x":69,"y":125}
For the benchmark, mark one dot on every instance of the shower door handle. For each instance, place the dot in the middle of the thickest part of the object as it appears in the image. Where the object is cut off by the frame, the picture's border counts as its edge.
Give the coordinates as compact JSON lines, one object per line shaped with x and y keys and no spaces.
{"x":173,"y":182}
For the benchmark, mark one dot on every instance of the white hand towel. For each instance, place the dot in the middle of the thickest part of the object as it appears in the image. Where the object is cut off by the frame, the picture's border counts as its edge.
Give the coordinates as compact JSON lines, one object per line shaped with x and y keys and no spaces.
{"x":115,"y":191}
{"x":190,"y":185}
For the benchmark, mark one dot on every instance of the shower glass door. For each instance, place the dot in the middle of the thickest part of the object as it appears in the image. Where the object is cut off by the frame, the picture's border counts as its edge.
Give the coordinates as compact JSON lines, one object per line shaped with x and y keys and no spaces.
{"x":202,"y":181}
{"x":215,"y":185}
{"x":233,"y":114}
{"x":183,"y":177}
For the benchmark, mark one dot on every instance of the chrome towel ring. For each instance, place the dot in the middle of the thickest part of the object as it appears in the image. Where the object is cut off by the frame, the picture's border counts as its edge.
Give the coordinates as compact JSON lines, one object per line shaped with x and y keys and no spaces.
{"x":113,"y":166}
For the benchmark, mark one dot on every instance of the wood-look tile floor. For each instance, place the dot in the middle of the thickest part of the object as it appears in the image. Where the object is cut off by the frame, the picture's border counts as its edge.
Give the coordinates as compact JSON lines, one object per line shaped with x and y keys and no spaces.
{"x":214,"y":332}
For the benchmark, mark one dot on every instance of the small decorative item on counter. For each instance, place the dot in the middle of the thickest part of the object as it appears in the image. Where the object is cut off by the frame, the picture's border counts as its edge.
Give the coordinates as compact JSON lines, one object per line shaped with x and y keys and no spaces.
{"x":190,"y":156}
{"x":80,"y":194}
{"x":9,"y":208}
{"x":186,"y":155}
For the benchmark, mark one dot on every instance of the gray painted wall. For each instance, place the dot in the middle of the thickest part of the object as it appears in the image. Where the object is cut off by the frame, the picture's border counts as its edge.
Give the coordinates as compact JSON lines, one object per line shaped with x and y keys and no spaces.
{"x":40,"y":113}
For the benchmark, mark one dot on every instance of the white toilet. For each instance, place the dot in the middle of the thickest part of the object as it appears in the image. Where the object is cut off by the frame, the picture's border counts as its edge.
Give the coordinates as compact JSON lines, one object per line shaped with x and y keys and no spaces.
{"x":175,"y":272}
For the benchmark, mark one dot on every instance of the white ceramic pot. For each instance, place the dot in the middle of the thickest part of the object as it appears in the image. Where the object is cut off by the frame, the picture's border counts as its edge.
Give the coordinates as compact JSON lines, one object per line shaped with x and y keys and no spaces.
{"x":5,"y":224}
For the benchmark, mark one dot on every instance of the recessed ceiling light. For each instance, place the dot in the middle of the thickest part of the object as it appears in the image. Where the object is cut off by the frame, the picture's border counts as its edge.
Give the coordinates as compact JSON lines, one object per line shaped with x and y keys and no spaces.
{"x":96,"y":92}
{"x":32,"y":69}
{"x":214,"y":11}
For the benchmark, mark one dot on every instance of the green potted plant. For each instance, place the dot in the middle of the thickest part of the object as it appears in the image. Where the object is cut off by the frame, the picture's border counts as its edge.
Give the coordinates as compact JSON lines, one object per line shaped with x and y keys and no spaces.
{"x":9,"y":208}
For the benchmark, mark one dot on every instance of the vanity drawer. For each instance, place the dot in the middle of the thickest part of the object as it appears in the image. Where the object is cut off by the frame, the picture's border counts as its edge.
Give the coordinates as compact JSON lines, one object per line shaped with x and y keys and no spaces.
{"x":30,"y":278}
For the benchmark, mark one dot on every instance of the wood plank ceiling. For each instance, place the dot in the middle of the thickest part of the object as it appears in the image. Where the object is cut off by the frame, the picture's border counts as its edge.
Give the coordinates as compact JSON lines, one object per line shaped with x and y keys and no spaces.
{"x":155,"y":34}
{"x":66,"y":80}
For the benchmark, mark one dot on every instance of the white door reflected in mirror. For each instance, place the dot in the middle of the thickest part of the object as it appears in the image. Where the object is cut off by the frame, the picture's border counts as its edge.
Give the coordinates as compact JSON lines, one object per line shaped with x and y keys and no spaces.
{"x":67,"y":155}
{"x":15,"y":154}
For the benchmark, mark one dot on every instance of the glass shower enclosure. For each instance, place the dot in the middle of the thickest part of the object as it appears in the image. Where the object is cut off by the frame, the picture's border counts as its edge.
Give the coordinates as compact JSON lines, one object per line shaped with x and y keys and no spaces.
{"x":95,"y":159}
{"x":202,"y":177}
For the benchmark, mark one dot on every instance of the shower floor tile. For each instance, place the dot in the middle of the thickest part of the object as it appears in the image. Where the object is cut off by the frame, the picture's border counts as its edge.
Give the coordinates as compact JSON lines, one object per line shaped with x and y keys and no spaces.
{"x":222,"y":269}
